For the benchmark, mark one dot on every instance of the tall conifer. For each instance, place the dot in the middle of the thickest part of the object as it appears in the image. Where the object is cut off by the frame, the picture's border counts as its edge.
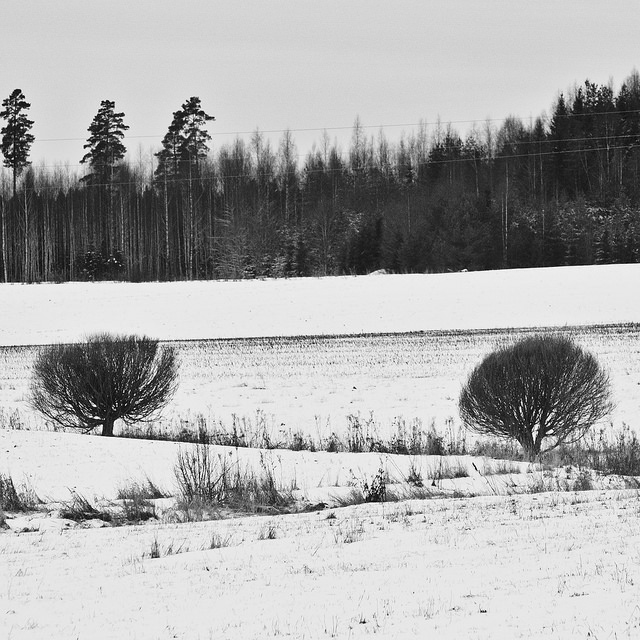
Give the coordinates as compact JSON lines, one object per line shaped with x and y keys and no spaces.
{"x":16,"y":139}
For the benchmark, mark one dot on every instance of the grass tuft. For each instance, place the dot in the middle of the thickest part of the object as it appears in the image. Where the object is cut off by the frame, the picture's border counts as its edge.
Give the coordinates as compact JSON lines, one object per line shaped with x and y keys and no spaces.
{"x":79,"y":509}
{"x":213,"y":482}
{"x":14,"y":500}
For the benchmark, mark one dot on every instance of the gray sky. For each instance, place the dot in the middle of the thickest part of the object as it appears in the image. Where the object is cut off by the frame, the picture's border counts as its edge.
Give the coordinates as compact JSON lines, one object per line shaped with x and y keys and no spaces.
{"x":277,"y":64}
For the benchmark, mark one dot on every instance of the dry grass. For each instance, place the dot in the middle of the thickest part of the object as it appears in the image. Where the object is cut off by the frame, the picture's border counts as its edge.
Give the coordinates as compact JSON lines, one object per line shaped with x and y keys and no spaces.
{"x":209,"y":482}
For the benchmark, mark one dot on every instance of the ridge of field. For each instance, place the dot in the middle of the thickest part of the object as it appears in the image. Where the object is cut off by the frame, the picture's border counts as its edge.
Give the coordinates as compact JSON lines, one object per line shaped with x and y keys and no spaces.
{"x":196,"y":310}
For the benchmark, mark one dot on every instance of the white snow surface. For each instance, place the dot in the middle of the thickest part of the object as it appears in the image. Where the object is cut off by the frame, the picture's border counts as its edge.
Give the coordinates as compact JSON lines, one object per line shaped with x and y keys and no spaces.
{"x":554,"y":565}
{"x":502,"y":565}
{"x":562,"y":296}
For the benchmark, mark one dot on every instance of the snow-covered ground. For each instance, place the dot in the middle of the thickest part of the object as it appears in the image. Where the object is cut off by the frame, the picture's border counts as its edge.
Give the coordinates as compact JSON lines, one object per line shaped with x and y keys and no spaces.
{"x":517,"y":565}
{"x":312,"y":386}
{"x":501,"y":565}
{"x":563,"y":296}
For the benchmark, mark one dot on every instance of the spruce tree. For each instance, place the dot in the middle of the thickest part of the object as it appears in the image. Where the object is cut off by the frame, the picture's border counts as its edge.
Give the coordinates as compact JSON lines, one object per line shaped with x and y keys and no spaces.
{"x":16,"y":139}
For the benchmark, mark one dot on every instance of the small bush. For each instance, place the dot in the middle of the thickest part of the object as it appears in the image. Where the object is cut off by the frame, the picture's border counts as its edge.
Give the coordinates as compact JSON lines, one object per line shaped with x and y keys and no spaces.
{"x":208,"y":480}
{"x":13,"y":420}
{"x":621,"y":453}
{"x":414,"y":440}
{"x":198,"y":475}
{"x":376,"y":489}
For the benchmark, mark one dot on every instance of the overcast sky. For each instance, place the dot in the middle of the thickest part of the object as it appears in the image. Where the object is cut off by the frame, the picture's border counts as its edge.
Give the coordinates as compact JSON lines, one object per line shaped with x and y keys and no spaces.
{"x":277,"y":64}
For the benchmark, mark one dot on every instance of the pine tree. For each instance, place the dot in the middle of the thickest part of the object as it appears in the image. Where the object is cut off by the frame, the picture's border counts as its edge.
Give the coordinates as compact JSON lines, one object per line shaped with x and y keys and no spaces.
{"x":105,"y":152}
{"x":105,"y":148}
{"x":184,"y":146}
{"x":16,"y":142}
{"x":16,"y":139}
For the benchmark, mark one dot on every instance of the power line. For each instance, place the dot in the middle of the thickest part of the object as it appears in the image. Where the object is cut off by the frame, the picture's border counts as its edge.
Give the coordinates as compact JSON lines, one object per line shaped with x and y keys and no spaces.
{"x":519,"y":142}
{"x":217,"y":176}
{"x":422,"y":123}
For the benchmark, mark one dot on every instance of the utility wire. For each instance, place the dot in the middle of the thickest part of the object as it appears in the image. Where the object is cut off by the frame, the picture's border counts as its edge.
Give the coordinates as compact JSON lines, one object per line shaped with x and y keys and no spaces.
{"x":520,"y":142}
{"x":219,"y":176}
{"x":423,"y":123}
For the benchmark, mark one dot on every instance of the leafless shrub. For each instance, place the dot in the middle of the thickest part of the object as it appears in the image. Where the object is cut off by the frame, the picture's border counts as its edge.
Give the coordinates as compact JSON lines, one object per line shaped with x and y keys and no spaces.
{"x":542,"y":390}
{"x":103,"y":379}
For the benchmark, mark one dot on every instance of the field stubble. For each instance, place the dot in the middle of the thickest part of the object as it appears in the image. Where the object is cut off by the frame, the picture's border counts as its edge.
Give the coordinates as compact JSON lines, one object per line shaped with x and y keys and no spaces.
{"x":311,"y":385}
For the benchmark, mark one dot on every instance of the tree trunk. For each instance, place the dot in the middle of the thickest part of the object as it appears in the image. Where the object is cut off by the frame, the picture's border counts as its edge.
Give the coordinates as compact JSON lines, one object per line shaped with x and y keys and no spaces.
{"x":531,"y":453}
{"x":107,"y":426}
{"x":4,"y":240}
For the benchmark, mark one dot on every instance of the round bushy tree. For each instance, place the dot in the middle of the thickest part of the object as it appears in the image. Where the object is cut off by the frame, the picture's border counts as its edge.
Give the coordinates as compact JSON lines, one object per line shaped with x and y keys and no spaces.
{"x":103,"y":379}
{"x":542,"y":391}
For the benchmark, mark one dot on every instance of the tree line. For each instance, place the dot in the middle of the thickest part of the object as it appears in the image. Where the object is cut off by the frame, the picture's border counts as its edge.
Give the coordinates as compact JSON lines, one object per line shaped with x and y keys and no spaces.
{"x":561,"y":189}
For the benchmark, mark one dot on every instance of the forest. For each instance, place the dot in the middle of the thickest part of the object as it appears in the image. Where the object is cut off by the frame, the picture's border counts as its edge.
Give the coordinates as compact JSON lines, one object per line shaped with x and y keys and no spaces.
{"x":559,"y":189}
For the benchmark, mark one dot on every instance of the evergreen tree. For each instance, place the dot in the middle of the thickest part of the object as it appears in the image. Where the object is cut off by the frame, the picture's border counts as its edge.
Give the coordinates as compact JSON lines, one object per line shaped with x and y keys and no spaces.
{"x":108,"y":231}
{"x":16,"y":139}
{"x":184,"y":145}
{"x":105,"y":148}
{"x":559,"y":134}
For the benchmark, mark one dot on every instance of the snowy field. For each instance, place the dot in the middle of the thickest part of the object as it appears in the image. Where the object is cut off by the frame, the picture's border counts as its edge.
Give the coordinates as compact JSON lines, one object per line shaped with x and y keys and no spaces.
{"x":442,"y":568}
{"x":553,"y":565}
{"x":506,"y":564}
{"x":563,"y":296}
{"x":312,"y":385}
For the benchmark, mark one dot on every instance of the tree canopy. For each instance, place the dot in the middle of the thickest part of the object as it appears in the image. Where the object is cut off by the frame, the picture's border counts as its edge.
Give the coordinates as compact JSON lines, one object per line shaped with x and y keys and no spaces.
{"x":105,"y":147}
{"x":184,"y":145}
